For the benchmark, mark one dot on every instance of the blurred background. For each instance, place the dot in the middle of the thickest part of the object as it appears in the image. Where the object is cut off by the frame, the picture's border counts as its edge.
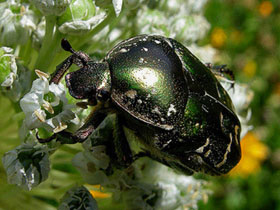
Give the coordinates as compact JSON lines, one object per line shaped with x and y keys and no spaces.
{"x":246,"y":35}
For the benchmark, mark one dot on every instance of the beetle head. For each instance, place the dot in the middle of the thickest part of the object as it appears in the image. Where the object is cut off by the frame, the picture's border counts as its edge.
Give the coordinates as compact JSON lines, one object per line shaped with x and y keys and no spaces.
{"x":90,"y":82}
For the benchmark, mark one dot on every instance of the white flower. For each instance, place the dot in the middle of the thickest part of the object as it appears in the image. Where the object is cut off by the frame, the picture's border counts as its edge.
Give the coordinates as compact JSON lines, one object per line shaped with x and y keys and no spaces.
{"x":178,"y":190}
{"x":17,"y":22}
{"x":152,"y":22}
{"x":46,"y":106}
{"x":188,"y":28}
{"x":81,"y":26}
{"x":205,"y":53}
{"x":117,"y":6}
{"x":180,"y":25}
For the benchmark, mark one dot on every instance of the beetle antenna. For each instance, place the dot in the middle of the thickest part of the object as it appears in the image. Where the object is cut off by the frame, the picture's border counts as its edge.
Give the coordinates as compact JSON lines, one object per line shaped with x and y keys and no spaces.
{"x":67,"y":46}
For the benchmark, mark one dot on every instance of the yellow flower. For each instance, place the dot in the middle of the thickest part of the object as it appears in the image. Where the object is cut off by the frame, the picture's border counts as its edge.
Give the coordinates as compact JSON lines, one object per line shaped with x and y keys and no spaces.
{"x":265,"y":8}
{"x":236,"y":36}
{"x":277,"y":89}
{"x":218,"y":37}
{"x":250,"y":68}
{"x":96,"y":192}
{"x":254,"y":152}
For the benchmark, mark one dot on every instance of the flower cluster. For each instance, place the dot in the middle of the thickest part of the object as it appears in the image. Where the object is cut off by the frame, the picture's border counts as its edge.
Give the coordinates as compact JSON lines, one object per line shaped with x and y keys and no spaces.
{"x":146,"y":184}
{"x":30,"y":36}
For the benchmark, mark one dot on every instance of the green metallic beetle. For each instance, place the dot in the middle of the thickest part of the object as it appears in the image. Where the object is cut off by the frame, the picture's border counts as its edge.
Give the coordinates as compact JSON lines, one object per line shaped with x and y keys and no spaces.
{"x":159,"y":90}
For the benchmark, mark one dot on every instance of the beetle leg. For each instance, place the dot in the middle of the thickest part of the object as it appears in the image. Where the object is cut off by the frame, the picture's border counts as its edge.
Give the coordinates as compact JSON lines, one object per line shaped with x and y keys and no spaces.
{"x":65,"y":137}
{"x":121,"y":146}
{"x":221,"y":71}
{"x":77,"y":57}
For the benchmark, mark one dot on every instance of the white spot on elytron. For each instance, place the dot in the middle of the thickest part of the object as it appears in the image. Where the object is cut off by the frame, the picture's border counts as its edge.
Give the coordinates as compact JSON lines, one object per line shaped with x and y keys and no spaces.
{"x":217,"y":101}
{"x":157,"y":42}
{"x":169,"y":43}
{"x":167,"y":127}
{"x":141,"y":60}
{"x":144,"y":39}
{"x":236,"y":128}
{"x":204,"y":108}
{"x":139,"y":101}
{"x":123,"y":50}
{"x":221,"y":118}
{"x":145,"y":49}
{"x":197,"y":125}
{"x":168,"y":142}
{"x":162,"y":119}
{"x":131,"y":94}
{"x":156,"y":111}
{"x":226,"y":153}
{"x":149,"y":95}
{"x":145,"y":76}
{"x":158,"y":60}
{"x":171,"y":109}
{"x":218,"y":90}
{"x":200,"y":160}
{"x":200,"y":149}
{"x":207,"y":153}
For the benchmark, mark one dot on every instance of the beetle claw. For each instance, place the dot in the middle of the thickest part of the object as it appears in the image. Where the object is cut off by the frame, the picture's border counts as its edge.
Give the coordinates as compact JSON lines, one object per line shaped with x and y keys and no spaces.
{"x":45,"y":140}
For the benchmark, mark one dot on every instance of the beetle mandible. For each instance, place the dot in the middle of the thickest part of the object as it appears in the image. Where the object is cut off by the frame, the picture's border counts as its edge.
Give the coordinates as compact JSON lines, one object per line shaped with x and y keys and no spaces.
{"x":158,"y":89}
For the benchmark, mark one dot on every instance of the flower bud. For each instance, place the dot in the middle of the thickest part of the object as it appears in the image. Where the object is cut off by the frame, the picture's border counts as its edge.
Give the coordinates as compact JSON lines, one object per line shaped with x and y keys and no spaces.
{"x":79,"y":18}
{"x":51,"y":7}
{"x":78,"y":10}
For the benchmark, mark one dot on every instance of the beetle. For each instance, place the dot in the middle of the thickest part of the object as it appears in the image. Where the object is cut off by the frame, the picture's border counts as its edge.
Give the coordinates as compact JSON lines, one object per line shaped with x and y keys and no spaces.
{"x":155,"y":87}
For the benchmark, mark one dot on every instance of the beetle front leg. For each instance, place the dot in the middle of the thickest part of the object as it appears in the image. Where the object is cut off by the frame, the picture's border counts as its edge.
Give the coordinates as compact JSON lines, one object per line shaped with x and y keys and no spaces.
{"x":65,"y":137}
{"x":78,"y":58}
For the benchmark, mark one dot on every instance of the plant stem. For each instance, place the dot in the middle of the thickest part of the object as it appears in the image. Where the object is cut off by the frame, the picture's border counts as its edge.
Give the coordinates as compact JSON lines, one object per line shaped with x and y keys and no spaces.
{"x":69,"y":149}
{"x":25,"y":52}
{"x":43,"y":57}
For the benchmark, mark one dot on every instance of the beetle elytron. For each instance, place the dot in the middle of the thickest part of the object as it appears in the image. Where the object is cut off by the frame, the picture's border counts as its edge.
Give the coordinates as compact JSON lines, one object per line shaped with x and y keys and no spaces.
{"x":158,"y":89}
